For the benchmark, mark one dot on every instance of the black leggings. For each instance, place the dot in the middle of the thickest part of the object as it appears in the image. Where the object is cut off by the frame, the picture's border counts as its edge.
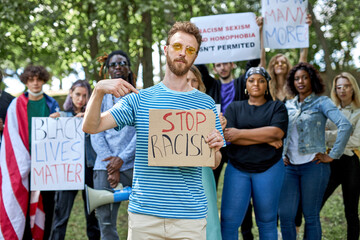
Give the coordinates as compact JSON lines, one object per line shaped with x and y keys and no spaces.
{"x":346,"y":172}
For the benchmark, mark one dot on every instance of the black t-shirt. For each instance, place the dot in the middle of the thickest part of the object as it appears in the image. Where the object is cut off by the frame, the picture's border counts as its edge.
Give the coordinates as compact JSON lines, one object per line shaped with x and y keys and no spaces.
{"x":258,"y":157}
{"x":5,"y":100}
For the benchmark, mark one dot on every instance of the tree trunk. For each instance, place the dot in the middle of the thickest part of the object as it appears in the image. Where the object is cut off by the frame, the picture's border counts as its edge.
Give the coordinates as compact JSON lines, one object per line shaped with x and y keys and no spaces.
{"x":147,"y":50}
{"x":94,"y":45}
{"x":329,"y":72}
{"x":161,"y":72}
{"x":135,"y":66}
{"x":126,"y":34}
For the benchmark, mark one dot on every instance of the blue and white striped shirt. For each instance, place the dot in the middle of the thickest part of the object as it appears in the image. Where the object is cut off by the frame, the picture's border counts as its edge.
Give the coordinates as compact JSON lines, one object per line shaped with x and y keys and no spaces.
{"x":167,"y":192}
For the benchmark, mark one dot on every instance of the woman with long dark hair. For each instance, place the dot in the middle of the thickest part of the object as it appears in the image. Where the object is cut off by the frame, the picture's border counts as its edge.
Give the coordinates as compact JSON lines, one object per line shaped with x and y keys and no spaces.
{"x":75,"y":105}
{"x":307,"y":164}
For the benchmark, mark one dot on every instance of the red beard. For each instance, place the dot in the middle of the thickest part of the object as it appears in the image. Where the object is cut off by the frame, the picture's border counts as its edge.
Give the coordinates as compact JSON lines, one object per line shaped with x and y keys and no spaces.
{"x":175,"y":68}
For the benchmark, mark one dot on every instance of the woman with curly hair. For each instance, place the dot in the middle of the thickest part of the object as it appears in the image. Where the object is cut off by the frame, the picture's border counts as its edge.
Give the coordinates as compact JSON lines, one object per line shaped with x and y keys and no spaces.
{"x":307,"y":168}
{"x":345,"y":171}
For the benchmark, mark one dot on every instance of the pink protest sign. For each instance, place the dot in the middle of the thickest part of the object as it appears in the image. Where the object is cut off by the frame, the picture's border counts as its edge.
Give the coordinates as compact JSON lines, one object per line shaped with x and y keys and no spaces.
{"x":284,"y":24}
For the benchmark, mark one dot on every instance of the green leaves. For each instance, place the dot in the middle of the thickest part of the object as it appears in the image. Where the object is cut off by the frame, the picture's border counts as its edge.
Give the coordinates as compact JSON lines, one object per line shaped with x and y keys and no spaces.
{"x":57,"y":33}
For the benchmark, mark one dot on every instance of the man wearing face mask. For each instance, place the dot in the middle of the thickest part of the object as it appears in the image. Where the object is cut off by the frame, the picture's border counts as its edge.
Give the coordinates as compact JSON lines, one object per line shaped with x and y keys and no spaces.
{"x":25,"y":214}
{"x":115,"y":150}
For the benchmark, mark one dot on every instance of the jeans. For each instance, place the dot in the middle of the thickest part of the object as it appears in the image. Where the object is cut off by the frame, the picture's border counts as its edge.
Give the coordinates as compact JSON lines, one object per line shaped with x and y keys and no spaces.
{"x":306,"y":182}
{"x":346,"y":172}
{"x":265,"y":189}
{"x":107,"y":214}
{"x":247,"y":225}
{"x":64,"y":201}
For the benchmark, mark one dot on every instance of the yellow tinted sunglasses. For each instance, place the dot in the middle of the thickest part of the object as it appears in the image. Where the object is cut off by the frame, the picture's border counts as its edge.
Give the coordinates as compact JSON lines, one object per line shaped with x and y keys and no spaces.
{"x":189,"y":50}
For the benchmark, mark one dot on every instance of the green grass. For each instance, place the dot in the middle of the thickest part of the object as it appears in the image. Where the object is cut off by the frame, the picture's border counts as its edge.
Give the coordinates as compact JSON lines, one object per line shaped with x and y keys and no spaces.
{"x":76,"y":229}
{"x":332,"y":218}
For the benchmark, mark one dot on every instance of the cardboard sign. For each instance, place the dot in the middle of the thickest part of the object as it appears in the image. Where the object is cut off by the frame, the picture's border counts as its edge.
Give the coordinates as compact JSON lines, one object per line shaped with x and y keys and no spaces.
{"x":57,"y":154}
{"x":284,"y":24}
{"x":177,"y":137}
{"x":228,"y":38}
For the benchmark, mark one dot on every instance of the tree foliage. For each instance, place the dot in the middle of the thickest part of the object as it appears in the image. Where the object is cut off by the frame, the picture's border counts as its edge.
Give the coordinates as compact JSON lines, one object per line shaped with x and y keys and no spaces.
{"x":58,"y":34}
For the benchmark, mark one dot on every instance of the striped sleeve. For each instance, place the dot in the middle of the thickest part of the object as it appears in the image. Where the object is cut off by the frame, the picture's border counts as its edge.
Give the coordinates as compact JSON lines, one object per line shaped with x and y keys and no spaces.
{"x":124,"y":111}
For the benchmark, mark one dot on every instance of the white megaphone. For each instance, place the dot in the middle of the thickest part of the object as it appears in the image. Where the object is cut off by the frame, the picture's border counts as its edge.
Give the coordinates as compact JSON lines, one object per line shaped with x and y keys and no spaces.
{"x":96,"y":198}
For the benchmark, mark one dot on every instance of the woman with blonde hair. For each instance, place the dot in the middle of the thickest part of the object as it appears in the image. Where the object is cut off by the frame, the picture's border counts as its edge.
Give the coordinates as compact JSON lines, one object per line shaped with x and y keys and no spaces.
{"x":278,"y":68}
{"x":345,"y":171}
{"x":194,"y":79}
{"x":354,"y":87}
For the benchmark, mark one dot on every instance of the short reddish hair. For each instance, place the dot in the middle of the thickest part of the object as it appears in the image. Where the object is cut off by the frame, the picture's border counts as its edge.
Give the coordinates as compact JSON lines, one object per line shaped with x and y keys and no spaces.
{"x":186,"y":27}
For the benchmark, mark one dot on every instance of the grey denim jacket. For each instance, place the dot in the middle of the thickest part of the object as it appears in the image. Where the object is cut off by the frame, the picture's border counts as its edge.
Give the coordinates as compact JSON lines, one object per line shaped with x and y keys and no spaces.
{"x":310,"y":117}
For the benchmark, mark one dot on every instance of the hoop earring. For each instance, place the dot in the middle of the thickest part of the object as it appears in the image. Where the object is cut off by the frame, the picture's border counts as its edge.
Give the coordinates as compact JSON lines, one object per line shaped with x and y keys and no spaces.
{"x":246,"y":92}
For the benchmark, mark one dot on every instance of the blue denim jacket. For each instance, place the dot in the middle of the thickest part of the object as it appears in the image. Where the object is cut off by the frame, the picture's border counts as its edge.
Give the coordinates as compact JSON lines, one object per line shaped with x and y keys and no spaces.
{"x":310,"y":117}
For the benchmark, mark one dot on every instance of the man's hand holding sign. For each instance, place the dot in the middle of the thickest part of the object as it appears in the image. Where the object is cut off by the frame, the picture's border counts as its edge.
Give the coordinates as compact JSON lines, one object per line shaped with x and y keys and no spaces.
{"x":183,"y":138}
{"x":212,"y":137}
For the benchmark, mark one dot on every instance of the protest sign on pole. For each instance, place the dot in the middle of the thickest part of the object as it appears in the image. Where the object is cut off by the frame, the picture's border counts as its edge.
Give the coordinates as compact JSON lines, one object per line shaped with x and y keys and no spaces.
{"x":228,"y":38}
{"x":177,"y":137}
{"x":57,"y":154}
{"x":285,"y":24}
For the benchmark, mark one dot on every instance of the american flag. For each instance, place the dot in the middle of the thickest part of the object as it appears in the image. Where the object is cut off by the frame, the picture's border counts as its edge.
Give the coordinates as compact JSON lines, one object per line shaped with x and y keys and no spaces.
{"x":14,"y":177}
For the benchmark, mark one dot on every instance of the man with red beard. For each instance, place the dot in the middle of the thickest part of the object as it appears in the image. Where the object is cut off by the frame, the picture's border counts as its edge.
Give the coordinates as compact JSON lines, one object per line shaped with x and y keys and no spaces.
{"x":166,"y":202}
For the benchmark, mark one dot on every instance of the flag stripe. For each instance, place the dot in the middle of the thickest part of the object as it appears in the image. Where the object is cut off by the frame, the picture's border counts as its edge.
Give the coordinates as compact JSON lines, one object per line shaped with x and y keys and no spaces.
{"x":14,"y":176}
{"x":5,"y":226}
{"x":22,"y":117}
{"x":18,"y":188}
{"x":37,"y":233}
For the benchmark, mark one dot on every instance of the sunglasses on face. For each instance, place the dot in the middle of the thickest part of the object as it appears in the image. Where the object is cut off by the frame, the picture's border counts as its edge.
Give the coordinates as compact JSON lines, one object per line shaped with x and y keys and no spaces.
{"x":280,"y":63}
{"x":178,"y":47}
{"x":121,"y":64}
{"x":345,"y":87}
